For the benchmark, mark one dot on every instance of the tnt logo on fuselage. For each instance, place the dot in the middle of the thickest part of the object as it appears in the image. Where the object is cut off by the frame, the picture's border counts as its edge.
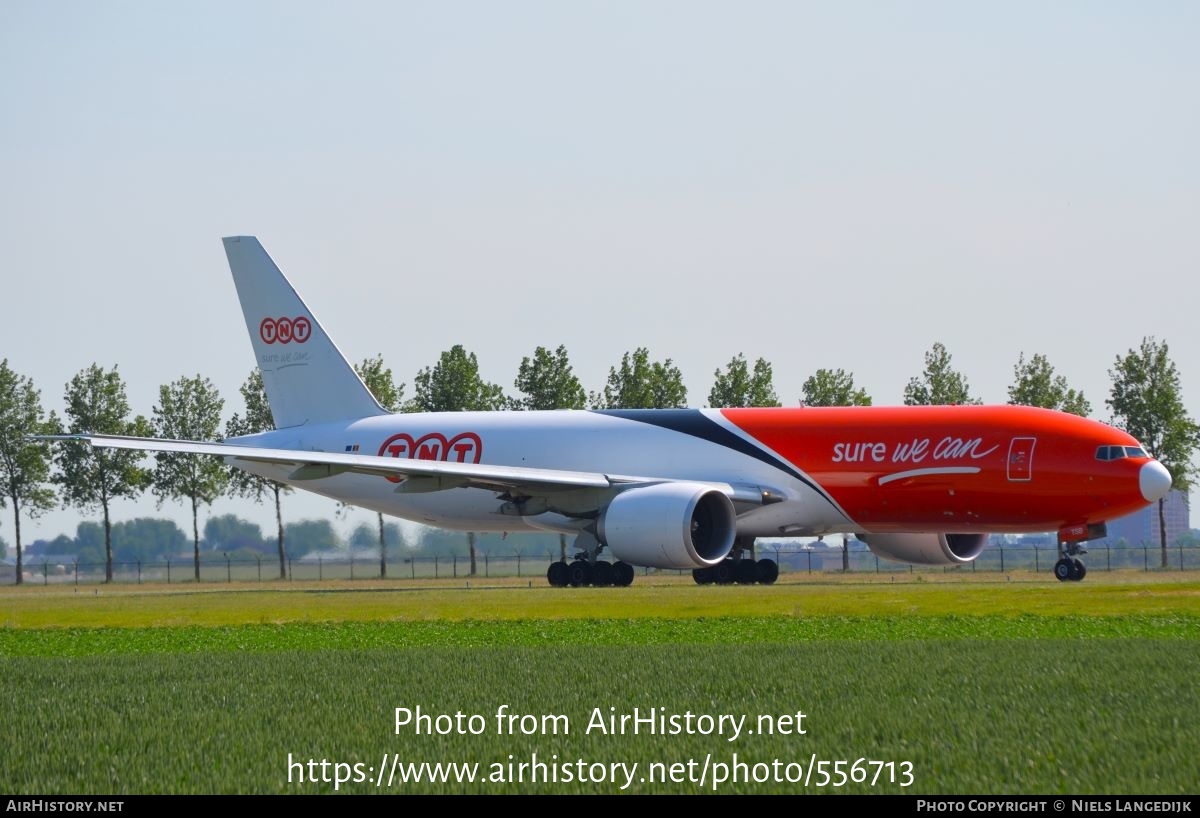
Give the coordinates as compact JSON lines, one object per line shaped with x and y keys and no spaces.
{"x":465,"y":447}
{"x":285,"y":330}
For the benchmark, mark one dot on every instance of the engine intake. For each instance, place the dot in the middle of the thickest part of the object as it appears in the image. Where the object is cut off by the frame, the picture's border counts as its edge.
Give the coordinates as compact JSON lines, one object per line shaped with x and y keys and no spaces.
{"x":669,"y":525}
{"x":927,"y":549}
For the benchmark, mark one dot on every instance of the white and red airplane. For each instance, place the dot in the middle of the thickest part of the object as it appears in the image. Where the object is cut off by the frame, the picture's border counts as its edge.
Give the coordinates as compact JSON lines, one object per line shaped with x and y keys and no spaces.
{"x":680,"y":488}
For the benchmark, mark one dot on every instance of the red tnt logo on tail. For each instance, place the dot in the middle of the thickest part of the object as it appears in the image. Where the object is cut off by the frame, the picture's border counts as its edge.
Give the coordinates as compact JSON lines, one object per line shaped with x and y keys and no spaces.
{"x":465,"y":447}
{"x":285,"y":330}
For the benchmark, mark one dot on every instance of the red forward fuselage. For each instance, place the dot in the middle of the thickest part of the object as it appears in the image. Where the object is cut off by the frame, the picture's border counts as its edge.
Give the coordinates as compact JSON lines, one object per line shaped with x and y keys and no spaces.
{"x":960,"y":468}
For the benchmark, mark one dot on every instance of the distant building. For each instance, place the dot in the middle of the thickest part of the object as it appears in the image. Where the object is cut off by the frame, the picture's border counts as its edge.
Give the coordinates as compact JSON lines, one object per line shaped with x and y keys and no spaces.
{"x":1141,"y":528}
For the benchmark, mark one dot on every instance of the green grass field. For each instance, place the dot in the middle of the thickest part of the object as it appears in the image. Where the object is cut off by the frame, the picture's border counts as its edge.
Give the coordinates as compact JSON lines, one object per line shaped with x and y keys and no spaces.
{"x":1009,"y":685}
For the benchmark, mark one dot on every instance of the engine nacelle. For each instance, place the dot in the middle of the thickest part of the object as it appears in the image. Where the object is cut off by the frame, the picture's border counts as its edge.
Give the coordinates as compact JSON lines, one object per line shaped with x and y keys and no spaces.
{"x":669,"y":525}
{"x":927,"y":549}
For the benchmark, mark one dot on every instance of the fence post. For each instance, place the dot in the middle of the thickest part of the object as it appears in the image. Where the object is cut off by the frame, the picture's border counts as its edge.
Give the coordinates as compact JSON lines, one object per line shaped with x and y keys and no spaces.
{"x":435,"y":566}
{"x":413,"y":564}
{"x":168,"y":570}
{"x":487,"y":569}
{"x":45,"y":573}
{"x":1145,"y":558}
{"x":810,"y":562}
{"x":1180,"y":557}
{"x":228,"y":569}
{"x":289,"y":569}
{"x":1107,"y":558}
{"x":1001,"y":560}
{"x":259,"y":567}
{"x":876,"y":564}
{"x":519,"y":562}
{"x":351,"y":565}
{"x":320,"y":568}
{"x":455,"y":564}
{"x":1036,"y":562}
{"x":139,"y":564}
{"x":76,"y":573}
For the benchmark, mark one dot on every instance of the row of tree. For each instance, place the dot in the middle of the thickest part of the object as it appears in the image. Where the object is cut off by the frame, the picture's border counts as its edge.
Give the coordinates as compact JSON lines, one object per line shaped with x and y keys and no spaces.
{"x":156,"y":539}
{"x":547,"y":381}
{"x":1146,"y":400}
{"x":149,"y":539}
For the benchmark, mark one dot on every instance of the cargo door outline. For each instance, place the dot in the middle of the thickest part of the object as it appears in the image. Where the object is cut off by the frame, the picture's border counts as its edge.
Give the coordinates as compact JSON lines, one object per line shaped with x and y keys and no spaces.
{"x":1020,"y":459}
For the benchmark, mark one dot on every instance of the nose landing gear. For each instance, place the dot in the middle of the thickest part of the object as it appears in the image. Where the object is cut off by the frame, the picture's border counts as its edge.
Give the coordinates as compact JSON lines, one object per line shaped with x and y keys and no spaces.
{"x":1069,"y":567}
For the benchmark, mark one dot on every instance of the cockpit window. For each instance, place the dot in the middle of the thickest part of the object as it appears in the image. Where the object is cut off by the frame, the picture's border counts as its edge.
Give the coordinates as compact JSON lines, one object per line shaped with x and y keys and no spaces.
{"x":1118,"y":452}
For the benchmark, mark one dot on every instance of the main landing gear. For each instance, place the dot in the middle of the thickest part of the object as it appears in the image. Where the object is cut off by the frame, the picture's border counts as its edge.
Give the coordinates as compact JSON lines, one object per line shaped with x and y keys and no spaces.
{"x":587,"y":568}
{"x":740,"y":567}
{"x":580,"y":572}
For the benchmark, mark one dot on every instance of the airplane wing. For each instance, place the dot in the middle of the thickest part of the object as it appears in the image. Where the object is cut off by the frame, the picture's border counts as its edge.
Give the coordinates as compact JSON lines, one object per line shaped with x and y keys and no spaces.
{"x":418,"y":475}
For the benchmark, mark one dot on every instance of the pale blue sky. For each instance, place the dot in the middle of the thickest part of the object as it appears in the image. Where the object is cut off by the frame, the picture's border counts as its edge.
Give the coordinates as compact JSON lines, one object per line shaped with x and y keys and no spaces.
{"x":825,"y":185}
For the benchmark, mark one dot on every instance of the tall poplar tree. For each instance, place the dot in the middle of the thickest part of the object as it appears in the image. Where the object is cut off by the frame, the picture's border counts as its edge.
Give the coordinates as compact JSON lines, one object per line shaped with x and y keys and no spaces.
{"x":546,"y":381}
{"x":1147,"y":402}
{"x":453,"y":384}
{"x":738,"y":386}
{"x":24,"y":464}
{"x":93,"y":477}
{"x":258,"y":418}
{"x":1035,"y":384}
{"x":383,"y":386}
{"x":833,"y":387}
{"x":939,"y":384}
{"x":639,"y":383}
{"x":189,"y":409}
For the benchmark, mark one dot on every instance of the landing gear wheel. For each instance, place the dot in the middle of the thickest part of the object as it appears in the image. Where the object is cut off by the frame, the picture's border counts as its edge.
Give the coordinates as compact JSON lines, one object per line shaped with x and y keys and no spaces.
{"x":558,"y":574}
{"x":1078,"y":570}
{"x":767,"y":570}
{"x":745,"y":572}
{"x":622,"y":574}
{"x":723,"y":572}
{"x":1064,"y":570}
{"x":579,"y":573}
{"x":602,"y":574}
{"x":703,"y":576}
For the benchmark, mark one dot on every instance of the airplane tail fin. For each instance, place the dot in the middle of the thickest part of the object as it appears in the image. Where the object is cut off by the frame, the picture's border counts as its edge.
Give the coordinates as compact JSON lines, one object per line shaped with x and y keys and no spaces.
{"x":306,"y":377}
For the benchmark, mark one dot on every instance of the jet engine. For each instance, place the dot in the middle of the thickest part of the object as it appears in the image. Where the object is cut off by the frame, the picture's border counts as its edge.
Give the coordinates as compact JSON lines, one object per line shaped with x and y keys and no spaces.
{"x":927,"y":549}
{"x":669,"y":525}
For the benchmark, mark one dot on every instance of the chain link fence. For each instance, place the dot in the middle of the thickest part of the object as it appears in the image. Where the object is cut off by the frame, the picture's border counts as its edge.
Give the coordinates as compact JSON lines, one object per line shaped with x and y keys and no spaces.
{"x":217,"y":568}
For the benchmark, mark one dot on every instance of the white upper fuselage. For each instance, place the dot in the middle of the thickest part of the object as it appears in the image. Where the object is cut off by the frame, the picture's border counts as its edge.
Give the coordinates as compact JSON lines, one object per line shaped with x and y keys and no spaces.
{"x":561,"y":440}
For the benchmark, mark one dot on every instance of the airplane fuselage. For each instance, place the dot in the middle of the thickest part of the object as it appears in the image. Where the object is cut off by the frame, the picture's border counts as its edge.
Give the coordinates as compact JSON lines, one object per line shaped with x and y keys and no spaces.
{"x":827,"y":470}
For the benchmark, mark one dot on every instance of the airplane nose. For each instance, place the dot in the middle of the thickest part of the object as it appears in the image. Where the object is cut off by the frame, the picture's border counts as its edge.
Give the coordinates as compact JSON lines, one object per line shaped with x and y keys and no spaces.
{"x":1154,"y":481}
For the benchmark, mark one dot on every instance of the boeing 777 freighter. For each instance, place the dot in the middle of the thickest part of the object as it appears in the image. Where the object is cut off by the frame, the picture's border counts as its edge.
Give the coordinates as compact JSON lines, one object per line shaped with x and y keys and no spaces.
{"x":680,"y":488}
